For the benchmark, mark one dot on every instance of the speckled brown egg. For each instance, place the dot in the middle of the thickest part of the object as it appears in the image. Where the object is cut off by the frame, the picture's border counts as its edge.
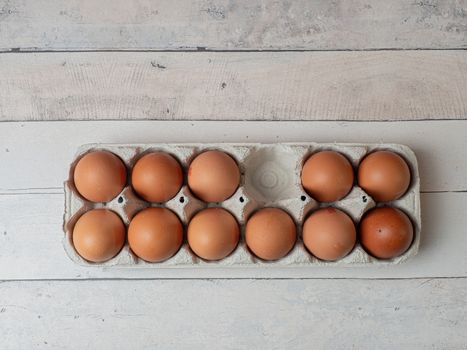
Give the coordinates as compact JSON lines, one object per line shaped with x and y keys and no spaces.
{"x":213,"y":234}
{"x":329,"y":234}
{"x":386,"y":232}
{"x":327,"y":176}
{"x":384,"y":175}
{"x":98,"y":235}
{"x":99,"y":176}
{"x":213,"y":176}
{"x":155,"y":234}
{"x":270,"y":233}
{"x":157,"y":177}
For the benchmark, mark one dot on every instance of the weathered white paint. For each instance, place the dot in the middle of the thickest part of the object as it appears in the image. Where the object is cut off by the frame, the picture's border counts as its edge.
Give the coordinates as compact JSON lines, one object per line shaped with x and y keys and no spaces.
{"x":31,"y":247}
{"x":41,"y":160}
{"x":381,"y":85}
{"x":33,"y":171}
{"x":230,"y":314}
{"x":247,"y":314}
{"x":225,"y":24}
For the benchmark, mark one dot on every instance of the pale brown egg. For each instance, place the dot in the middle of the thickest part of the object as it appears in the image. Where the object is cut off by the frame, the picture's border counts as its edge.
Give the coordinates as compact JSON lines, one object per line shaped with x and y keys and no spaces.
{"x":327,"y":176}
{"x":98,"y":235}
{"x":99,"y":176}
{"x":213,"y":234}
{"x":270,"y":233}
{"x":155,"y":234}
{"x":213,"y":176}
{"x":386,"y":232}
{"x":384,"y":175}
{"x":157,"y":177}
{"x":329,"y":234}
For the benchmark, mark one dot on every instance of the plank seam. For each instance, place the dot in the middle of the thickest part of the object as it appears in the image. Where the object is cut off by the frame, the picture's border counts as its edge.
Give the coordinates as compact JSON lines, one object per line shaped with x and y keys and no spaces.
{"x":229,"y":279}
{"x":187,"y":119}
{"x":205,"y":49}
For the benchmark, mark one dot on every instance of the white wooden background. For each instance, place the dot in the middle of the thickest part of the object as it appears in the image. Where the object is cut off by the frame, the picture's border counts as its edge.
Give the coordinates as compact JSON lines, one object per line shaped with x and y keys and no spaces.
{"x":258,"y":70}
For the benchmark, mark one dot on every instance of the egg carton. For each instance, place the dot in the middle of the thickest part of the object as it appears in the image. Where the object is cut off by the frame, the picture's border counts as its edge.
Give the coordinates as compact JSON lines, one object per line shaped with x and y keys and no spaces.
{"x":270,"y":177}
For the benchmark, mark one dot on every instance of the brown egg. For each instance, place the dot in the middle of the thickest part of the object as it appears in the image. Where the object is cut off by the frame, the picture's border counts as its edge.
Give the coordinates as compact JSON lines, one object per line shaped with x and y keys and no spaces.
{"x":213,"y":176}
{"x":213,"y":234}
{"x":98,"y":235}
{"x":384,"y":175}
{"x":386,"y":232}
{"x":157,"y":177}
{"x":99,"y":176}
{"x":329,"y":234}
{"x":155,"y":234}
{"x":327,"y":176}
{"x":270,"y":233}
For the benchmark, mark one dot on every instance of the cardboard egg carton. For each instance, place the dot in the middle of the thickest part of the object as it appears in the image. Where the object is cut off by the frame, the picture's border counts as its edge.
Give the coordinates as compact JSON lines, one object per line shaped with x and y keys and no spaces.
{"x":270,"y":177}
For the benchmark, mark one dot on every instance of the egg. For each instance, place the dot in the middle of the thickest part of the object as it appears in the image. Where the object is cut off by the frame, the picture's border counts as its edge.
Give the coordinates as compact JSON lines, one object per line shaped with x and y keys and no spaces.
{"x":155,"y":234}
{"x":213,"y":234}
{"x":98,"y":235}
{"x":213,"y":176}
{"x":270,"y":233}
{"x":327,"y":176}
{"x":386,"y":232}
{"x":384,"y":175}
{"x":157,"y":177}
{"x":329,"y":234}
{"x":99,"y":176}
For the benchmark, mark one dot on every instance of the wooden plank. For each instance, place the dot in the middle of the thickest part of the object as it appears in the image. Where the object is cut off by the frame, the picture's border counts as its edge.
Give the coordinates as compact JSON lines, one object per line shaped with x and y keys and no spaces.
{"x":222,"y":24}
{"x":31,"y":247}
{"x":35,"y":156}
{"x":248,"y":314}
{"x":398,"y":85}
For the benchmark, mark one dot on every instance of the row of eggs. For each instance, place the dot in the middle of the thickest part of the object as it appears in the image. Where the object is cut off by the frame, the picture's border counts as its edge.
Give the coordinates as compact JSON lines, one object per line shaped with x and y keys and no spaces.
{"x":155,"y":234}
{"x":214,"y":176}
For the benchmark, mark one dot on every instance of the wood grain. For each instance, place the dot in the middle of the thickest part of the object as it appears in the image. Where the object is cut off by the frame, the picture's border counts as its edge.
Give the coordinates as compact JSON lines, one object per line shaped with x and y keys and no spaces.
{"x":31,"y":247}
{"x":32,"y":200}
{"x":40,"y":161}
{"x":35,"y":158}
{"x":87,"y":312}
{"x":232,"y":25}
{"x":397,"y":85}
{"x":248,"y":314}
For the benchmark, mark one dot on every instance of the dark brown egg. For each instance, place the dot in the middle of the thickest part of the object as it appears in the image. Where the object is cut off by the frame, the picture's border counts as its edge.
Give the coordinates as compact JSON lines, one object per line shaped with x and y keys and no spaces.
{"x":98,"y":235}
{"x":213,"y":234}
{"x":386,"y":232}
{"x":329,"y":234}
{"x":155,"y":234}
{"x":99,"y":176}
{"x":157,"y":177}
{"x":327,"y":176}
{"x":270,"y":233}
{"x":384,"y":175}
{"x":213,"y":176}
